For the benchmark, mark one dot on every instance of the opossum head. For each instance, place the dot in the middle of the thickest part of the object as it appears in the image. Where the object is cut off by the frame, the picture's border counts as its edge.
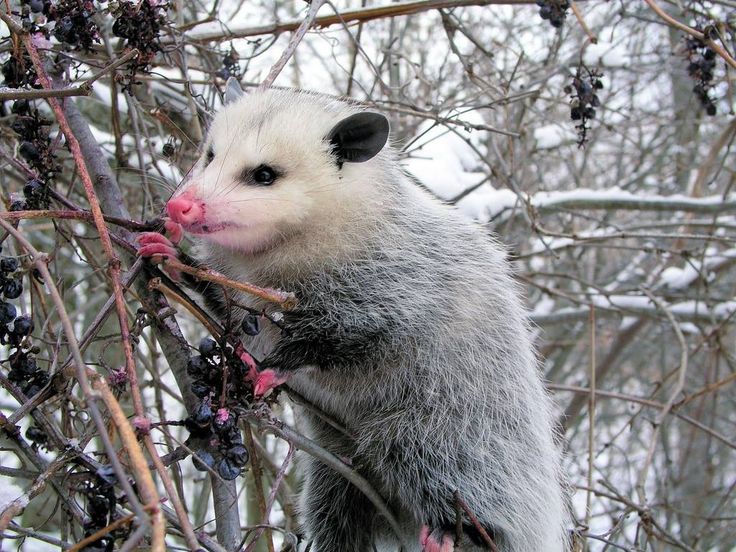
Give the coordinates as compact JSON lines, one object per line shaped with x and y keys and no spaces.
{"x":278,"y":164}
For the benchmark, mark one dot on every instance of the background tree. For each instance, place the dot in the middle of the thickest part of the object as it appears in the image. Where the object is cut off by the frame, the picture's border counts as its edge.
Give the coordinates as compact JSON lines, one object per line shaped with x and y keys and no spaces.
{"x":593,"y":138}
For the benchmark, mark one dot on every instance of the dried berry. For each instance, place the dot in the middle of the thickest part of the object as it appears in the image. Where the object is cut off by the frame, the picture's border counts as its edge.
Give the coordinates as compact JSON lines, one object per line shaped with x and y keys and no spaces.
{"x":8,"y":264}
{"x":250,"y":324}
{"x":12,"y":289}
{"x":37,"y":435}
{"x":196,"y":366}
{"x":23,"y":325}
{"x":203,"y":460}
{"x":227,"y":470}
{"x":584,"y":99}
{"x":202,"y":415}
{"x":238,"y":455}
{"x":7,"y":313}
{"x":29,"y":151}
{"x":701,"y":66}
{"x":553,"y":11}
{"x":207,"y":347}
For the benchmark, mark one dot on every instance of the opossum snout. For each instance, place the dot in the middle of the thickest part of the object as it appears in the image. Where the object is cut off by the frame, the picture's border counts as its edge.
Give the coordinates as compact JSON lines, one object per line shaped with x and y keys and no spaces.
{"x":185,"y":210}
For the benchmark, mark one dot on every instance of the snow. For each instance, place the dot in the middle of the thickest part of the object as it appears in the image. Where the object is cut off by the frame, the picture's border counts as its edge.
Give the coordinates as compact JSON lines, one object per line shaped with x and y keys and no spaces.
{"x":443,"y":161}
{"x":486,"y":203}
{"x":553,"y":136}
{"x":606,"y":54}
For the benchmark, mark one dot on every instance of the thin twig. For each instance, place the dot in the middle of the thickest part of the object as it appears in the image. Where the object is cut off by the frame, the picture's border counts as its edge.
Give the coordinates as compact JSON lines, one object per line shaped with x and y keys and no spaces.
{"x":296,"y":38}
{"x":717,"y":48}
{"x":285,"y":299}
{"x":474,"y":520}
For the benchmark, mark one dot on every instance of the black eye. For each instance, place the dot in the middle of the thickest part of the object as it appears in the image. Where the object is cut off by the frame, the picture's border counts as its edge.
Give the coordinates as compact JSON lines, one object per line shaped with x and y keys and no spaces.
{"x":264,"y":175}
{"x":210,"y":156}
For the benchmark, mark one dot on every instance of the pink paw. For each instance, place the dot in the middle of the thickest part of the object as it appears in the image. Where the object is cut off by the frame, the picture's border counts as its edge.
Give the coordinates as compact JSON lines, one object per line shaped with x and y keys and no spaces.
{"x":266,"y":381}
{"x":436,"y":540}
{"x":153,"y":244}
{"x":174,"y":230}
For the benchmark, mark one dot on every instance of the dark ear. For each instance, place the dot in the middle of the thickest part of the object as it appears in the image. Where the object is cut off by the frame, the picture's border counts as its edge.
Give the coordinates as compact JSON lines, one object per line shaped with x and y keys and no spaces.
{"x":359,"y":137}
{"x":233,"y":91}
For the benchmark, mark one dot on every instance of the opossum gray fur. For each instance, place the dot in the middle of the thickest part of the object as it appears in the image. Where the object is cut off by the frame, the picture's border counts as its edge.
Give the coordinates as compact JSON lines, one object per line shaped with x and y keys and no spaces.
{"x":409,"y":331}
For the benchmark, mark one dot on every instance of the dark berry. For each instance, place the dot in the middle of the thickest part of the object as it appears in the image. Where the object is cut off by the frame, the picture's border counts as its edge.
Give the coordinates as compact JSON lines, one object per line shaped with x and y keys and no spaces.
{"x":168,"y":150}
{"x":23,"y":126}
{"x":7,"y":313}
{"x":8,"y":264}
{"x":238,"y":455}
{"x":207,"y":347}
{"x":202,"y":415}
{"x":17,"y":205}
{"x":197,"y":366}
{"x":36,"y":6}
{"x":33,"y":188}
{"x":200,"y":389}
{"x":12,"y":289}
{"x":232,"y":436}
{"x":203,"y":460}
{"x":36,"y":435}
{"x":711,"y":109}
{"x":224,"y":420}
{"x":122,"y":28}
{"x":29,"y":151}
{"x":37,"y":382}
{"x":227,"y":470}
{"x":250,"y":324}
{"x":24,"y":366}
{"x":23,"y":325}
{"x":20,"y":107}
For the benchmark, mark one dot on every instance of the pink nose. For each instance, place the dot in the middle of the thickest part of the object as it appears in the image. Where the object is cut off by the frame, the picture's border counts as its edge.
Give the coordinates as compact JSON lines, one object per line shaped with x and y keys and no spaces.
{"x":184,"y":210}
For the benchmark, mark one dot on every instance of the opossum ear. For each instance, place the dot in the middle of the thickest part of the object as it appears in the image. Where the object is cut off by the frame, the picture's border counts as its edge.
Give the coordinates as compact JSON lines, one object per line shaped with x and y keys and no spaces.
{"x":233,"y":91}
{"x":359,"y":137}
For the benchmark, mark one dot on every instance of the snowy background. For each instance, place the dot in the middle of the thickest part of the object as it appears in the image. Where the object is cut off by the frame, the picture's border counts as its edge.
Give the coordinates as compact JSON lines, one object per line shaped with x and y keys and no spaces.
{"x":626,"y":246}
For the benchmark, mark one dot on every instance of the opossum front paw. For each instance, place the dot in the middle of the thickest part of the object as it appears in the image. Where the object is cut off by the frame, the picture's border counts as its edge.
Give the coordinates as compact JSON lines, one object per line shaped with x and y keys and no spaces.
{"x":266,"y":380}
{"x":436,"y":540}
{"x":174,"y":230}
{"x":153,"y":245}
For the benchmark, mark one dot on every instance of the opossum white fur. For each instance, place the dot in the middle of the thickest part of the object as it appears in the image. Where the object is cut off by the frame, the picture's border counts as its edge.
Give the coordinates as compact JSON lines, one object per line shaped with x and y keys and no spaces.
{"x":409,"y":331}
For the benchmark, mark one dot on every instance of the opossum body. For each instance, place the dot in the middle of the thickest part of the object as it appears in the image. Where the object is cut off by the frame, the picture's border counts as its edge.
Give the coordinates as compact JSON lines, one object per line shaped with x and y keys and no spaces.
{"x":409,"y":329}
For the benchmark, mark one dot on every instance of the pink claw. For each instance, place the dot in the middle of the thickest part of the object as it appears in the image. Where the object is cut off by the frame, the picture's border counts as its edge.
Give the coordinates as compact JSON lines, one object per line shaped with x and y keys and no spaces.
{"x":428,"y":540}
{"x":174,"y":230}
{"x":266,"y":381}
{"x":153,"y":244}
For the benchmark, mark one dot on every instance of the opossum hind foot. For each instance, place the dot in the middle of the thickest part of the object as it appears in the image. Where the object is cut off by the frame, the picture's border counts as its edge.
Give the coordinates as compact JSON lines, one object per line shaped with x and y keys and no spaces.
{"x":436,"y":540}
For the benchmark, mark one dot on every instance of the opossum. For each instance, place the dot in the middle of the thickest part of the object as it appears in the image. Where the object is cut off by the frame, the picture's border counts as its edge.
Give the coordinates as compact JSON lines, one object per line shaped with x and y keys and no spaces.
{"x":409,"y":329}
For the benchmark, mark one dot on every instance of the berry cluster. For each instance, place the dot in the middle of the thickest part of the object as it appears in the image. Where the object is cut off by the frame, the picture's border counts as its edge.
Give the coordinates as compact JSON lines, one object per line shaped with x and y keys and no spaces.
{"x":37,"y":437}
{"x":701,"y":65}
{"x":230,"y":66}
{"x":15,"y":331}
{"x":553,"y":11}
{"x":75,"y":25}
{"x":140,"y":23}
{"x":584,"y":100}
{"x":32,"y":131}
{"x":215,"y":437}
{"x":168,"y":150}
{"x":35,"y":148}
{"x":18,"y":71}
{"x":101,"y":502}
{"x":37,"y":7}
